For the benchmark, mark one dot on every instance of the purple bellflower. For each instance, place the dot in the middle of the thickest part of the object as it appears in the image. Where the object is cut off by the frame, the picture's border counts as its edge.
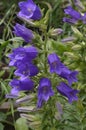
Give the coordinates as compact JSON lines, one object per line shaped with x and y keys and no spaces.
{"x":26,"y":69}
{"x":69,"y":20}
{"x":70,"y":76}
{"x":22,"y":31}
{"x":21,"y":55}
{"x":29,"y":10}
{"x":74,"y":15}
{"x":68,"y":92}
{"x":44,"y":91}
{"x":22,"y":59}
{"x":55,"y":64}
{"x":22,"y":84}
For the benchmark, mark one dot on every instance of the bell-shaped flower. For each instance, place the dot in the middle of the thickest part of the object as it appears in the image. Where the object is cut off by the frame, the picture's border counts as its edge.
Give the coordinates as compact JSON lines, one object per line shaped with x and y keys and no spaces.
{"x":22,"y":84}
{"x":23,"y":32}
{"x":44,"y":91}
{"x":70,"y":76}
{"x":55,"y":64}
{"x":74,"y":15}
{"x":21,"y":55}
{"x":26,"y":69}
{"x":68,"y":92}
{"x":29,"y":10}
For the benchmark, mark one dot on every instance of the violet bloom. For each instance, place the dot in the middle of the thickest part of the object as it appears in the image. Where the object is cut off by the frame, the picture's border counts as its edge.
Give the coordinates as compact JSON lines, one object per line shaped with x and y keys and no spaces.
{"x":26,"y":69}
{"x":68,"y":92}
{"x":70,"y":76}
{"x":55,"y":63}
{"x":22,"y":31}
{"x":69,"y":20}
{"x":21,"y":55}
{"x":44,"y":91}
{"x":74,"y":15}
{"x":29,"y":10}
{"x":23,"y":84}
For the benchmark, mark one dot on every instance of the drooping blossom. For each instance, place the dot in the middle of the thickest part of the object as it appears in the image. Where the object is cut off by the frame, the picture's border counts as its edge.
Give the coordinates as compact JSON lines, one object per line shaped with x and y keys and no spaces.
{"x":26,"y":69}
{"x":29,"y":10}
{"x":21,"y":55}
{"x":44,"y":91}
{"x":73,"y":13}
{"x":23,"y":32}
{"x":22,"y":84}
{"x":55,"y":64}
{"x":68,"y":92}
{"x":70,"y":76}
{"x":75,"y":16}
{"x":69,"y":20}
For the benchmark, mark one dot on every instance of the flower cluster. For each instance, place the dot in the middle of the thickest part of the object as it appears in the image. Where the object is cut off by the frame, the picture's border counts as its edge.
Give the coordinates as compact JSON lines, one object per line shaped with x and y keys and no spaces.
{"x":56,"y":66}
{"x":22,"y":58}
{"x":28,"y":11}
{"x":75,"y":16}
{"x":45,"y":90}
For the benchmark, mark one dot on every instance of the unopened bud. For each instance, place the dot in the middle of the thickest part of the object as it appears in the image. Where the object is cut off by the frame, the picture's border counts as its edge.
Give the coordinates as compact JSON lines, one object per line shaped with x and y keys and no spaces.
{"x":71,"y":55}
{"x":26,"y":109}
{"x":79,"y":4}
{"x":25,"y":99}
{"x":29,"y":117}
{"x":29,"y":21}
{"x":83,"y":43}
{"x":76,"y":47}
{"x":77,"y":32}
{"x":11,"y":96}
{"x":68,"y":39}
{"x":35,"y":124}
{"x":57,"y":31}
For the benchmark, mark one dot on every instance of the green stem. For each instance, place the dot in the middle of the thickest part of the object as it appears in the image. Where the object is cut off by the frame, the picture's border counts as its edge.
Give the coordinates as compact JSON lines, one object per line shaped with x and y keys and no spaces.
{"x":45,"y":51}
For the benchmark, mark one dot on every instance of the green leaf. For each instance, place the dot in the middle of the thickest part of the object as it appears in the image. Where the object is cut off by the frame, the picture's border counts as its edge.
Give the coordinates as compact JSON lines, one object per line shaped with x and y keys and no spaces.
{"x":21,"y":124}
{"x":2,"y":116}
{"x":1,"y":126}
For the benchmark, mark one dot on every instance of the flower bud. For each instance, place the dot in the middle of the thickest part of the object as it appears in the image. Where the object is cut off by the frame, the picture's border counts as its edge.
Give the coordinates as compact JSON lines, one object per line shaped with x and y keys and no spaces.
{"x":25,"y":99}
{"x":29,"y":117}
{"x":26,"y":109}
{"x":71,"y":55}
{"x":68,"y":39}
{"x":79,"y":4}
{"x":76,"y":47}
{"x":77,"y":32}
{"x":33,"y":120}
{"x":57,"y":31}
{"x":83,"y":43}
